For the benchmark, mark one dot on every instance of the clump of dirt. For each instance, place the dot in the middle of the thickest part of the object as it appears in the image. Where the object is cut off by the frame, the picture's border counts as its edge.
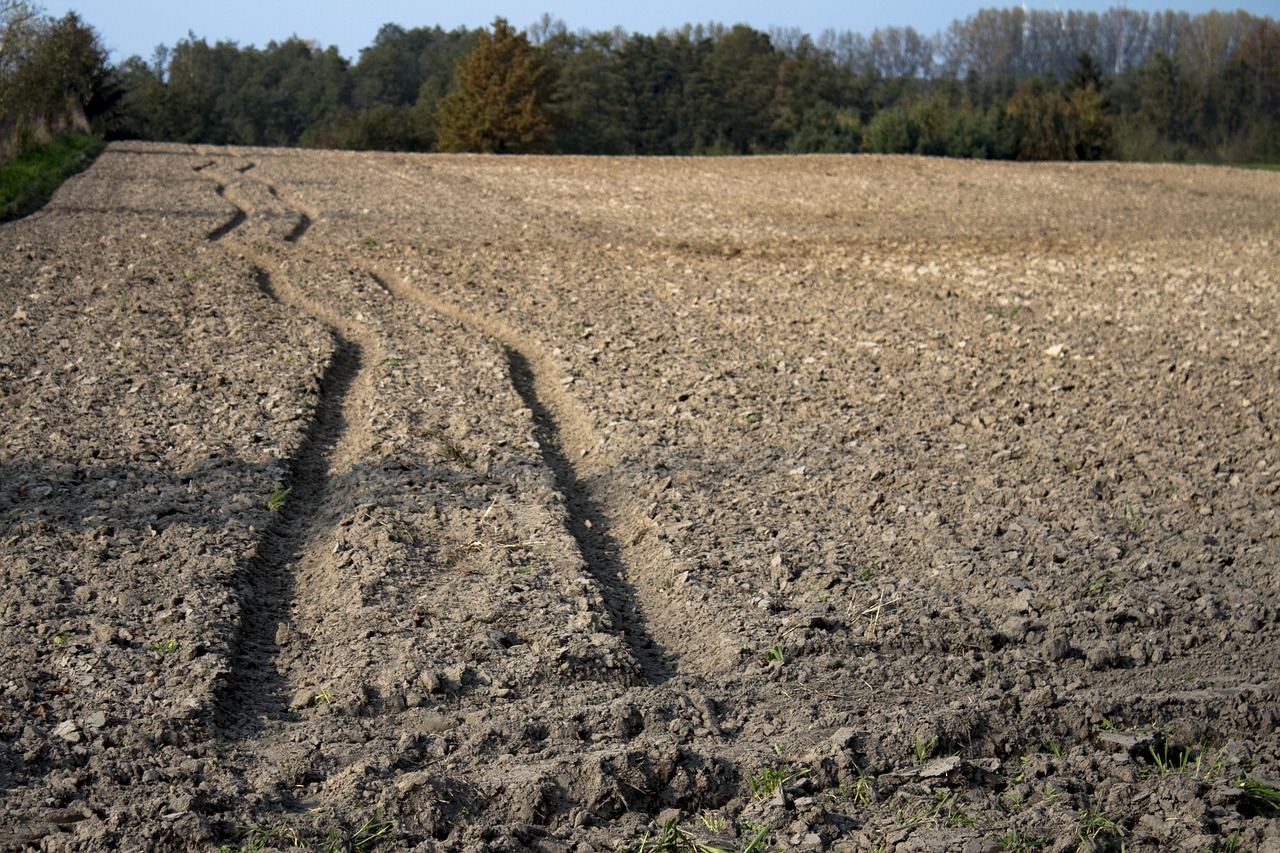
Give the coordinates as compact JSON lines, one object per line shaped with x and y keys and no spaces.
{"x":363,"y":501}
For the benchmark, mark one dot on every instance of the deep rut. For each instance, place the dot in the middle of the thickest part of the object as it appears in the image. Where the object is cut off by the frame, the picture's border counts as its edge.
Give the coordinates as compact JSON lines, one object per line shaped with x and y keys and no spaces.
{"x":628,"y":571}
{"x":282,"y":582}
{"x":591,"y":529}
{"x":258,"y":689}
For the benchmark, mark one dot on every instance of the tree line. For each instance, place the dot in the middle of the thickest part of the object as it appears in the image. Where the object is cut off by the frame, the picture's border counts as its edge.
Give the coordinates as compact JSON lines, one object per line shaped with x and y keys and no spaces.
{"x":1002,"y":83}
{"x":54,"y":76}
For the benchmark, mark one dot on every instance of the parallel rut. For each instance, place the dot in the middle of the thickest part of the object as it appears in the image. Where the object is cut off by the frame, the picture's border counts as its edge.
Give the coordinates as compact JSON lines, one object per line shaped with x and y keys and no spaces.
{"x":267,"y":228}
{"x":280,"y":580}
{"x":572,"y":451}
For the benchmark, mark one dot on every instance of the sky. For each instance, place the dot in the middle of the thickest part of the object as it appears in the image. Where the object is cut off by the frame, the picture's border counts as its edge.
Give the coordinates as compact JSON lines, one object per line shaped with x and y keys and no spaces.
{"x":129,"y":27}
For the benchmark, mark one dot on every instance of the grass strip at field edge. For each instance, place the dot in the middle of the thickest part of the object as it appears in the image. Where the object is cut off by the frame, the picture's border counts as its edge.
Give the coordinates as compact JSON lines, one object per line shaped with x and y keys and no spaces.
{"x":28,"y":181}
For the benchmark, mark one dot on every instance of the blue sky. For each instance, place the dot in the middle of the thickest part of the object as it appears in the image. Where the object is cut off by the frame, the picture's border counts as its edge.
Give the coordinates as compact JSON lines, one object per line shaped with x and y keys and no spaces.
{"x":138,"y":26}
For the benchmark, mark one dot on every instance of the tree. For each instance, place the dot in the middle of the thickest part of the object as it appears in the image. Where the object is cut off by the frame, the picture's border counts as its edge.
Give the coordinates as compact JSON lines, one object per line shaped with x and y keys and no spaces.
{"x":1086,"y":73}
{"x":19,"y":27}
{"x":499,"y":105}
{"x":891,"y":131}
{"x":142,"y":113}
{"x":901,"y":52}
{"x":742,"y":75}
{"x":399,"y":63}
{"x":1258,"y":60}
{"x":59,"y":64}
{"x":1251,"y":96}
{"x":1040,"y":118}
{"x":589,"y":101}
{"x":807,"y":78}
{"x":53,"y":74}
{"x":290,"y":86}
{"x":1092,"y":129}
{"x":1168,"y":99}
{"x":195,"y":78}
{"x":652,"y":71}
{"x":825,"y":129}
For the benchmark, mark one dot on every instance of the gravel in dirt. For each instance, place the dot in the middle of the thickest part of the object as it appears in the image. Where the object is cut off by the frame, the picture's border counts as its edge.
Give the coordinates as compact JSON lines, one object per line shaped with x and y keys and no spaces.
{"x":374,"y":501}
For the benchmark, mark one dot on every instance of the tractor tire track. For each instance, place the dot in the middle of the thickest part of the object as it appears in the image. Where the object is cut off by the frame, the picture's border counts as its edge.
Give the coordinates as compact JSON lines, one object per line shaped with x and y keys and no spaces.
{"x":614,"y":536}
{"x":591,"y":528}
{"x":633,"y":569}
{"x":631,"y":566}
{"x":285,"y":582}
{"x":258,"y":688}
{"x":573,"y":453}
{"x":237,"y":219}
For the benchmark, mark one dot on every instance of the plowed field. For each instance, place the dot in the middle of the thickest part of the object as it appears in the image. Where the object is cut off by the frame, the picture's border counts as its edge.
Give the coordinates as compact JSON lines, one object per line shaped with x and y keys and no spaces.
{"x":363,"y":501}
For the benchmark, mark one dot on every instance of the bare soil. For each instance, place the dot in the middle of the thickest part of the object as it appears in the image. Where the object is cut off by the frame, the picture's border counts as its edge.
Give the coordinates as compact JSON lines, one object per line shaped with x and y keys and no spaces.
{"x":461,"y":503}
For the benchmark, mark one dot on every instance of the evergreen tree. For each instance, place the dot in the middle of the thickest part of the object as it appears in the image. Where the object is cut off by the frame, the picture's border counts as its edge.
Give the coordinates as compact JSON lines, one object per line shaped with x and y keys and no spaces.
{"x":589,"y":101}
{"x":736,"y":81}
{"x":499,"y":105}
{"x":652,"y":73}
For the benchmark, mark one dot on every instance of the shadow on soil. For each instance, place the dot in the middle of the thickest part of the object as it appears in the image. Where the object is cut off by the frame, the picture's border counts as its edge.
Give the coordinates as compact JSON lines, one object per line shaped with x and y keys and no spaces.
{"x":589,"y":526}
{"x":255,"y":689}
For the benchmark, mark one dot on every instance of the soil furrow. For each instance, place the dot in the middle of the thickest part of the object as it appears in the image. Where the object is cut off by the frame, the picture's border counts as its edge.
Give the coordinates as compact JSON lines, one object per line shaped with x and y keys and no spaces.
{"x":620,"y":553}
{"x":591,"y":529}
{"x":256,"y":689}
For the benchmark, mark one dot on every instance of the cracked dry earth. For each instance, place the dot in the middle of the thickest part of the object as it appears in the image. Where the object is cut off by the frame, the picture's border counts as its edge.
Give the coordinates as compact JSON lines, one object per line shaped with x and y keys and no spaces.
{"x":361,"y":501}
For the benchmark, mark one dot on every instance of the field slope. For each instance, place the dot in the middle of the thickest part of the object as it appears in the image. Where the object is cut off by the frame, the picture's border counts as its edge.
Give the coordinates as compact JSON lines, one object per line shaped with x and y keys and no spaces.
{"x":431,"y":502}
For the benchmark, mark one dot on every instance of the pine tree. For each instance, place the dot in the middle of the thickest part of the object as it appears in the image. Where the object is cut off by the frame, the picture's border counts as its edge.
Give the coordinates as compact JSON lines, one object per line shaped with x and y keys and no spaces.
{"x":499,"y":105}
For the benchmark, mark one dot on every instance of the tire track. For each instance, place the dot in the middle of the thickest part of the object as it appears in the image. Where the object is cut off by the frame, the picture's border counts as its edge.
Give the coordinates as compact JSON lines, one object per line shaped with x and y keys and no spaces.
{"x":237,"y":219}
{"x":258,"y":689}
{"x":591,"y":528}
{"x":614,"y":536}
{"x":254,"y":201}
{"x":565,"y":437}
{"x":633,"y":568}
{"x":629,"y":564}
{"x":294,"y":235}
{"x":286,"y":581}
